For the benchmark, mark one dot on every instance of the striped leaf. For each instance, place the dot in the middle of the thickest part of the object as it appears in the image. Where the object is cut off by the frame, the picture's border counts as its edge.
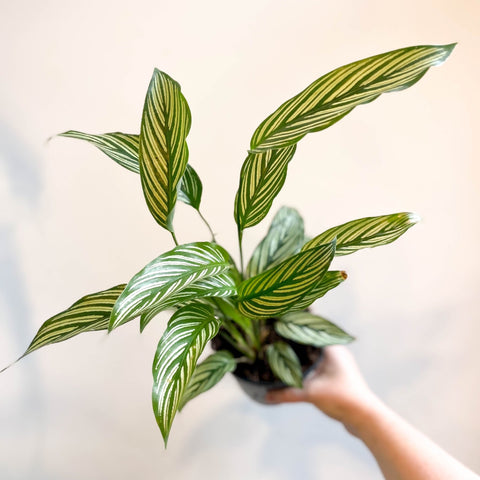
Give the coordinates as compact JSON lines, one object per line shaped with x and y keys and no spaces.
{"x":89,"y":314}
{"x":190,"y":188}
{"x":308,"y":329}
{"x":261,"y":178}
{"x":163,"y":149}
{"x":120,"y":147}
{"x":366,"y":232}
{"x":207,"y":374}
{"x":159,"y":284}
{"x":187,"y":333}
{"x":285,"y":364}
{"x":123,"y":149}
{"x":285,"y":237}
{"x":276,"y":290}
{"x":334,"y":95}
{"x":221,"y":285}
{"x":328,"y":282}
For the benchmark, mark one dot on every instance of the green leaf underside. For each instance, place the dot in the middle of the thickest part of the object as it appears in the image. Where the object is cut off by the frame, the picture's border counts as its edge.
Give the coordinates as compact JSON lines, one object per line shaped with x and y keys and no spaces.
{"x":187,"y":334}
{"x":366,"y":232}
{"x":120,"y":147}
{"x":285,"y":364}
{"x":284,"y":238}
{"x":261,"y":178}
{"x":328,"y":282}
{"x":278,"y":289}
{"x":309,"y":329}
{"x":221,"y":285}
{"x":89,"y":314}
{"x":190,"y":188}
{"x":335,"y":94}
{"x":168,"y":275}
{"x":207,"y":374}
{"x":163,"y":149}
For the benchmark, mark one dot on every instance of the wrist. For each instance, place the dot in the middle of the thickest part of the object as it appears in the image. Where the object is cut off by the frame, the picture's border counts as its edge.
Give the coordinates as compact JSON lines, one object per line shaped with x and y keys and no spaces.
{"x":362,"y":416}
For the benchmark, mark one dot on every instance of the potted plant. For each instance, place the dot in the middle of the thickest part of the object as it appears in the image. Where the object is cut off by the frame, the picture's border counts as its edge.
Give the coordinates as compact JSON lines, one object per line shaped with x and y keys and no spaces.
{"x":256,"y":314}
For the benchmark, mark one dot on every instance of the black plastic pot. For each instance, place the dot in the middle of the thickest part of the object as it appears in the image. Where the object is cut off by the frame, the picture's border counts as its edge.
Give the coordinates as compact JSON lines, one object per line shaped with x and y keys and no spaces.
{"x":257,"y":390}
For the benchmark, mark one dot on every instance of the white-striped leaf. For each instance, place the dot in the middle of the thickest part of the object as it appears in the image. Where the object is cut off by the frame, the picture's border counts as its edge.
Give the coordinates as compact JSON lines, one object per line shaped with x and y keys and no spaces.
{"x":187,"y":333}
{"x":366,"y":232}
{"x":207,"y":374}
{"x":120,"y":147}
{"x":190,"y":188}
{"x":261,"y":178}
{"x":285,"y":364}
{"x":334,"y":95}
{"x":221,"y":285}
{"x":309,"y":329}
{"x":163,"y":149}
{"x":276,"y":290}
{"x":89,"y":314}
{"x":166,"y":276}
{"x":284,"y":238}
{"x":328,"y":282}
{"x":123,"y":149}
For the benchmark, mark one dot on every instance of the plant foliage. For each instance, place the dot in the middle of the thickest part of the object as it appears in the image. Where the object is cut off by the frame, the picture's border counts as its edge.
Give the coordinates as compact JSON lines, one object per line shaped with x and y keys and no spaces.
{"x":209,"y":295}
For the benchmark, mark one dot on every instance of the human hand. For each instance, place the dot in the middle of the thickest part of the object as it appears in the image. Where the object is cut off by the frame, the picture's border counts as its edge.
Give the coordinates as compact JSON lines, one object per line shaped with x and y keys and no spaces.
{"x":336,"y":387}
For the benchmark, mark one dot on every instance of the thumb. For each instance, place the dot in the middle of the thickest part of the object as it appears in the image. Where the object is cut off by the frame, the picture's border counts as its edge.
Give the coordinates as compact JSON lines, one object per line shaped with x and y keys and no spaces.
{"x":286,"y":395}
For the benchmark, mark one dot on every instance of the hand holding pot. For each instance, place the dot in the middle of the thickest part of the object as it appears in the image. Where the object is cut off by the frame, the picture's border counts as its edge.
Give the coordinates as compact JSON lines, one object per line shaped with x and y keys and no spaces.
{"x":338,"y":389}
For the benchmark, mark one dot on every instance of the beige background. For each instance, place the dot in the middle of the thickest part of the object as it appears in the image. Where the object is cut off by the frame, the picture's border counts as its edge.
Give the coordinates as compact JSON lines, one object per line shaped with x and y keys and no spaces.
{"x":72,"y":222}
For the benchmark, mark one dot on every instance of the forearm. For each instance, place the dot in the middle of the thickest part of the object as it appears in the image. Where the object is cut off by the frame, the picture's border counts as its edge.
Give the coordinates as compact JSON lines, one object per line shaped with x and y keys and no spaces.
{"x":401,"y":451}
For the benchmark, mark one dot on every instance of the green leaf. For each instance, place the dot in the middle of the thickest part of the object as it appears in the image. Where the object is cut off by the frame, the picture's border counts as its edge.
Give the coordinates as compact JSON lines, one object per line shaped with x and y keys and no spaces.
{"x":187,"y":333}
{"x":123,"y":149}
{"x":309,"y":329}
{"x":261,"y":178}
{"x":163,"y":149}
{"x":89,"y":314}
{"x":228,"y":308}
{"x":328,"y":282}
{"x":158,"y":284}
{"x":120,"y":147}
{"x":366,"y":232}
{"x":285,"y":364}
{"x":190,"y":188}
{"x":285,"y":237}
{"x":276,"y":290}
{"x":334,"y":95}
{"x":207,"y":374}
{"x":221,"y":285}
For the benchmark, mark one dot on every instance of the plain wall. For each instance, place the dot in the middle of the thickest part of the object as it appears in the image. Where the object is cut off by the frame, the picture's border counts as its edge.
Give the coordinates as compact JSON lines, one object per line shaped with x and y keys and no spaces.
{"x":73,"y":222}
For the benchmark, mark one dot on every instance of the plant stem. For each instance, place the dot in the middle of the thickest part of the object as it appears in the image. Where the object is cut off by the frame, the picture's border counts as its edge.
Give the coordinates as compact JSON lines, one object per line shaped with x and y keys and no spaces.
{"x":243,"y":360}
{"x":240,"y":235}
{"x":174,"y":238}
{"x":208,"y":226}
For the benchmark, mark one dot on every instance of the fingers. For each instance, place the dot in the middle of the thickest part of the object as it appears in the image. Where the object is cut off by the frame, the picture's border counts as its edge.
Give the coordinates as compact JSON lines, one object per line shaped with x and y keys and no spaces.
{"x":286,"y":395}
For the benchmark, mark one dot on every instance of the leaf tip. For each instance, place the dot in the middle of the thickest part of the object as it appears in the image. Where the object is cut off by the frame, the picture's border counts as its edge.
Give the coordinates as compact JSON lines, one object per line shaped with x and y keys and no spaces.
{"x":449,"y":48}
{"x":344,"y":275}
{"x":413,"y":218}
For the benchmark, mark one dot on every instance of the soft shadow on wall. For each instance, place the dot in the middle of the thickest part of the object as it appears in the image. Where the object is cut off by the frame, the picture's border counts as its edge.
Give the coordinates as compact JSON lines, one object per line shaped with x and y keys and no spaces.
{"x":20,"y":189}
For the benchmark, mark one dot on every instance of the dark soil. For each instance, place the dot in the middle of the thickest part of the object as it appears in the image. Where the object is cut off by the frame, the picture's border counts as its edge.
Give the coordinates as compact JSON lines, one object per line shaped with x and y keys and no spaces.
{"x":259,"y":371}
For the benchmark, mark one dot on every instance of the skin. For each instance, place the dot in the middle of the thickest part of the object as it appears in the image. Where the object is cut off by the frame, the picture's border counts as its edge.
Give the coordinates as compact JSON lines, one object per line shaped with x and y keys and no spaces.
{"x":338,"y":389}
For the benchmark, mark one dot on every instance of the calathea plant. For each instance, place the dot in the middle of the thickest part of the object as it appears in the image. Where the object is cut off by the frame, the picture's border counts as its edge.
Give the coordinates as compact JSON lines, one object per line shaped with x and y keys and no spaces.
{"x":257,"y":313}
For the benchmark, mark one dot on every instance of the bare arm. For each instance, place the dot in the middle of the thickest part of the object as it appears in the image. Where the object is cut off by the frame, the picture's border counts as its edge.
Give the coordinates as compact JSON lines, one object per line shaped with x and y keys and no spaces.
{"x":402,"y":452}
